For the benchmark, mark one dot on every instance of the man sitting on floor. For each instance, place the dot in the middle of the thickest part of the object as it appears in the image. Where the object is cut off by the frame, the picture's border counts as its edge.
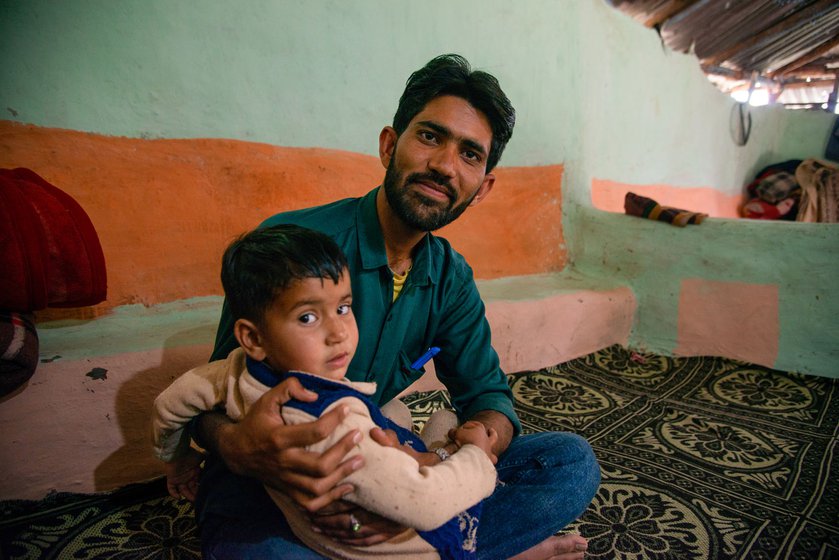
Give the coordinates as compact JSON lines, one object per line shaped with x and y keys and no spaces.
{"x":411,"y":291}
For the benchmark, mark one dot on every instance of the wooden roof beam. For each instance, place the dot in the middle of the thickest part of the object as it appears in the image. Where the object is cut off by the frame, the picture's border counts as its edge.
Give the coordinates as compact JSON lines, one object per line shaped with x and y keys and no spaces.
{"x":811,"y":70}
{"x":807,"y":58}
{"x":725,"y":72}
{"x":814,"y":83}
{"x":667,"y":11}
{"x":780,"y":27}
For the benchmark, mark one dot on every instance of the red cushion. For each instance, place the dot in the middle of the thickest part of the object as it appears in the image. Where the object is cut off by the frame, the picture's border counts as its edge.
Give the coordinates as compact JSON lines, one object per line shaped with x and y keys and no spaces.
{"x":49,"y":250}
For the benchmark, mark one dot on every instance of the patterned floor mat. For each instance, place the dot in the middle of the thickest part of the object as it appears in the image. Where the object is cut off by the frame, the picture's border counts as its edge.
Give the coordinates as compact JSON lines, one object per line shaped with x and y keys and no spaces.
{"x":702,"y":458}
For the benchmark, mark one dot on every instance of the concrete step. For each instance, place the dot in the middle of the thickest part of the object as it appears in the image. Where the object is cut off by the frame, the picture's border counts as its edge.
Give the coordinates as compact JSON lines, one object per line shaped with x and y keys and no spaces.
{"x":542,"y":320}
{"x":102,"y":375}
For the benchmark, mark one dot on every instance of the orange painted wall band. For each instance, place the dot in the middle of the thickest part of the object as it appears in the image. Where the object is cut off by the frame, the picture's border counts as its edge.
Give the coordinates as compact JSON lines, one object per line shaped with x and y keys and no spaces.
{"x":165,"y":209}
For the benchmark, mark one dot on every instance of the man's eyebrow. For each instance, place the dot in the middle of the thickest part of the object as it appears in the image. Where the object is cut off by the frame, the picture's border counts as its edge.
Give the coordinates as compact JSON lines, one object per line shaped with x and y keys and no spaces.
{"x":446,"y":131}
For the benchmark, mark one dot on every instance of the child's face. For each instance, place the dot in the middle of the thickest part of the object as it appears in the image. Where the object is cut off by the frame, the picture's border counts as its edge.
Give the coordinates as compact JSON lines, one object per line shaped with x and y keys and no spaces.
{"x":311,"y":328}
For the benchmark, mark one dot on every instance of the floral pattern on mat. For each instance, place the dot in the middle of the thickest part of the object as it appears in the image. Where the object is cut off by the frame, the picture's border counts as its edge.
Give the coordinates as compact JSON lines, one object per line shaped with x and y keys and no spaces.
{"x":702,"y":458}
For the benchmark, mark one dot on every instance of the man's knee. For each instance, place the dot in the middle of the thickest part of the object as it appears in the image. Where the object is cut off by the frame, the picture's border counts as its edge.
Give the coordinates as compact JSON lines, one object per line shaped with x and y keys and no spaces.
{"x":554,"y":448}
{"x":591,"y":466}
{"x":586,"y":469}
{"x":569,"y":455}
{"x":582,"y":450}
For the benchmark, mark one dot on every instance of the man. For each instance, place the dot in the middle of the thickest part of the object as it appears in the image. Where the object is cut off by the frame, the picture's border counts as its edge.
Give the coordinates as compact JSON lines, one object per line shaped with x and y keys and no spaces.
{"x":411,"y":290}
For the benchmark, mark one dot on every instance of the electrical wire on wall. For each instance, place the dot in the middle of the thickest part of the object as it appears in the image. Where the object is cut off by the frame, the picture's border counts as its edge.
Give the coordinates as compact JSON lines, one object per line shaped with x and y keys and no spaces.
{"x":740,"y":121}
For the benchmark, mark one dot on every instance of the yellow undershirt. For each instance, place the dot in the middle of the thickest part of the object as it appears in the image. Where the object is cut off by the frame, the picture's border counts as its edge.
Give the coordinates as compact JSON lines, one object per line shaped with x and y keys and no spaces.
{"x":398,"y":283}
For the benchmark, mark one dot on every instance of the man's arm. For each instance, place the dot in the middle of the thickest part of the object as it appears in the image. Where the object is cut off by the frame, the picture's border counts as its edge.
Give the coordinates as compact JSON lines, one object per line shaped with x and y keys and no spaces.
{"x":468,"y":365}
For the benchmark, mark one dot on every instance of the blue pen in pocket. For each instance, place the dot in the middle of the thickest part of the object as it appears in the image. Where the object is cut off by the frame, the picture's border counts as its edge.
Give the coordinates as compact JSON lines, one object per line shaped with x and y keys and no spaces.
{"x":422,"y":360}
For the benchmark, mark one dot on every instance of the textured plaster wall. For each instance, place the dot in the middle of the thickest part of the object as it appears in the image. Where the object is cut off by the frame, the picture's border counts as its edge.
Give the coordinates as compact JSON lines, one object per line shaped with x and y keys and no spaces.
{"x":165,"y":209}
{"x":593,"y":89}
{"x":595,"y":93}
{"x":781,"y":273}
{"x":650,"y":118}
{"x":303,"y":73}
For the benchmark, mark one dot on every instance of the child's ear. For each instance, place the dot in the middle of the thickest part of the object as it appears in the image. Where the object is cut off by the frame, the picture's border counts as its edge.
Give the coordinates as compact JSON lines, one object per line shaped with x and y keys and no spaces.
{"x":247,"y":333}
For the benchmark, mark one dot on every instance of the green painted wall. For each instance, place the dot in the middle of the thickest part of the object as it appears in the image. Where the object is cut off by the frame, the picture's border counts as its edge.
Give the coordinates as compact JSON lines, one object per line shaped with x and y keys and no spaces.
{"x":651,"y":117}
{"x":591,"y":86}
{"x":324,"y":73}
{"x":593,"y":89}
{"x":802,"y":260}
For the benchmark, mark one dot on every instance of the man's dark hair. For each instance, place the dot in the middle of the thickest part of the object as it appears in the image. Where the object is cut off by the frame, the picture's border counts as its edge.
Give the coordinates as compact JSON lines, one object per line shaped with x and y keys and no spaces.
{"x":260,"y":264}
{"x":450,"y":74}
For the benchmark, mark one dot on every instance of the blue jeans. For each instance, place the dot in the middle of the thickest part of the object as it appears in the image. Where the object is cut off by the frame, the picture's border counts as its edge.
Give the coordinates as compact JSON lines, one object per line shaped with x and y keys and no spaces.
{"x":546,"y":481}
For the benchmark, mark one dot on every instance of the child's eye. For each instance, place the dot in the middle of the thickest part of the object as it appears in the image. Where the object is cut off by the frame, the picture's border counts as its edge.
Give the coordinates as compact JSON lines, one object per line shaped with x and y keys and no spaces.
{"x":307,"y":318}
{"x":344,"y":309}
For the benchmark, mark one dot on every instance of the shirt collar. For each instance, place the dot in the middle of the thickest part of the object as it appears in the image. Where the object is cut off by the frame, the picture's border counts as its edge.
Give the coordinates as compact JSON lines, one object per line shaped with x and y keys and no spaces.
{"x":269,"y":377}
{"x":371,"y":243}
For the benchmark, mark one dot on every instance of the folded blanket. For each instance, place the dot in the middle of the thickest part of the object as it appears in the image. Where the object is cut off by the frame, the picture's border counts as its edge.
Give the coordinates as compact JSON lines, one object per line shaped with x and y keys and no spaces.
{"x":18,"y":350}
{"x":759,"y":209}
{"x":819,"y":191}
{"x":49,"y":249}
{"x":643,"y":207}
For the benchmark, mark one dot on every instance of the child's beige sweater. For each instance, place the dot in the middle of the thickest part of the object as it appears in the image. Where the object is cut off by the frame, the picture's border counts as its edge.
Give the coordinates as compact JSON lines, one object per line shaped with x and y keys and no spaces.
{"x":391,"y":483}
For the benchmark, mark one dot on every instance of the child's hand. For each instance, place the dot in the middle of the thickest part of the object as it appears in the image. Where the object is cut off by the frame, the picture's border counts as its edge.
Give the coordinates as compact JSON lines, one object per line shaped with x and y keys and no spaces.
{"x":182,"y":475}
{"x":477,"y":434}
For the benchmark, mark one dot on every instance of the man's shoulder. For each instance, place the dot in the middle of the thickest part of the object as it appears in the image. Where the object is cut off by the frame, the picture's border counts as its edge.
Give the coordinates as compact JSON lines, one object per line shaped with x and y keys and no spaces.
{"x":451,"y":262}
{"x":331,"y":218}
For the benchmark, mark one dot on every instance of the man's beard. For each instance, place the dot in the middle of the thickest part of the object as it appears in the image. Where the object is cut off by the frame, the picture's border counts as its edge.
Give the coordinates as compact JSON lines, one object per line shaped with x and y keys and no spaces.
{"x":415,"y":210}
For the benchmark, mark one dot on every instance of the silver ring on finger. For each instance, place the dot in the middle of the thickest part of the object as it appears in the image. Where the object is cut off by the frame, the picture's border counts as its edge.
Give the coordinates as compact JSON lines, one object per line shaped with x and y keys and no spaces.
{"x":355,"y":524}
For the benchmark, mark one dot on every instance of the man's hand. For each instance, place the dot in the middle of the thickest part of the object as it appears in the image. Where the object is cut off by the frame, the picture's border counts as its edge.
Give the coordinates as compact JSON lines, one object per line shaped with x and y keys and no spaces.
{"x":262,"y":446}
{"x":476,"y":433}
{"x":501,"y":424}
{"x":336,"y":521}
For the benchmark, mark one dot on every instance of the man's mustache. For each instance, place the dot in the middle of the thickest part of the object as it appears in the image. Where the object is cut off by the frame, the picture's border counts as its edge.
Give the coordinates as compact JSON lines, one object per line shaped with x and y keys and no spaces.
{"x":437,"y":178}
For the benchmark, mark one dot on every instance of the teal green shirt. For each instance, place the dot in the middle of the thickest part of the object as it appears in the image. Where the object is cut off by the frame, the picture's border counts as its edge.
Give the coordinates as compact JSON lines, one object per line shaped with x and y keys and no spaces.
{"x":439,"y":306}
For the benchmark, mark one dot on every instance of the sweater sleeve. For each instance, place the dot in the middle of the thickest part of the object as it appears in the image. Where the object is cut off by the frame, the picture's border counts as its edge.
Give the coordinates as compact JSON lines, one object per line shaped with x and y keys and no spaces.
{"x":393,"y":485}
{"x":198,"y":390}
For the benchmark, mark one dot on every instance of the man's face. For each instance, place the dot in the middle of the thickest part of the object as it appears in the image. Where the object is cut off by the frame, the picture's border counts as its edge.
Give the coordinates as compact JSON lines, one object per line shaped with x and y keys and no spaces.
{"x":437,"y":167}
{"x":311,"y":327}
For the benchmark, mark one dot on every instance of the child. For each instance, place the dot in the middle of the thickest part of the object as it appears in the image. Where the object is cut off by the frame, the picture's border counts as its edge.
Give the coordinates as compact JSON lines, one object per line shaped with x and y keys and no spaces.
{"x":288,"y":289}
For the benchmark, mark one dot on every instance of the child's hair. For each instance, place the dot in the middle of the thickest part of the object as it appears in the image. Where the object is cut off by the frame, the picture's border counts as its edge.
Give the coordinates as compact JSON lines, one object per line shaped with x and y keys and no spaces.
{"x":260,"y":264}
